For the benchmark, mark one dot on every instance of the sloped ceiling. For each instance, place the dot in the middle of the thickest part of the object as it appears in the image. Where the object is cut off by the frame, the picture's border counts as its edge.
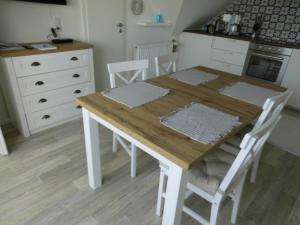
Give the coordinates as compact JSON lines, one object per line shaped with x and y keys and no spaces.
{"x":195,"y":13}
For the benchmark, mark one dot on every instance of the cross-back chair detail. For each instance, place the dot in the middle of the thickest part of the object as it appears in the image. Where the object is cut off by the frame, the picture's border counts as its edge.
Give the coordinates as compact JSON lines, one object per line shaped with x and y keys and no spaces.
{"x":166,"y":64}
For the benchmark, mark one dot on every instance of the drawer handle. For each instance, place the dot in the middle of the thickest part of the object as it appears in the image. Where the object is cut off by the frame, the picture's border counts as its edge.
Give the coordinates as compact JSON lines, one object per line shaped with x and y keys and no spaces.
{"x":45,"y":117}
{"x":39,"y":83}
{"x":43,"y":100}
{"x":74,"y":59}
{"x":77,"y":92}
{"x":35,"y":64}
{"x":76,"y":75}
{"x":79,"y":107}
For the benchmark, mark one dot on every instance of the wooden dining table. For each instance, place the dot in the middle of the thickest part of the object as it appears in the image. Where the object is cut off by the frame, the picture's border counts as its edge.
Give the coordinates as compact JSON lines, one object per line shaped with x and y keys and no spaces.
{"x":141,"y":126}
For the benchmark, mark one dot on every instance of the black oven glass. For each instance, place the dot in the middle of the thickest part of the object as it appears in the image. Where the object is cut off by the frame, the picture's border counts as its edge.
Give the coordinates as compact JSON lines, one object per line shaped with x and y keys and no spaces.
{"x":264,"y":68}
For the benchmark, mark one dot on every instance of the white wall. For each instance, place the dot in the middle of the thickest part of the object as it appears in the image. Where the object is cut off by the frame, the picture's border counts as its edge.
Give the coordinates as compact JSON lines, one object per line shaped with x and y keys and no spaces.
{"x":23,"y":22}
{"x":195,"y":13}
{"x":140,"y":35}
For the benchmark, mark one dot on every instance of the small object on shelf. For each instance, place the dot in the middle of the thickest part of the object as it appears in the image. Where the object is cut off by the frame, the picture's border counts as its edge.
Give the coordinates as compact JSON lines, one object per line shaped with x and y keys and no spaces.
{"x":211,"y":29}
{"x":28,"y":47}
{"x":217,"y":24}
{"x":159,"y":18}
{"x":204,"y":28}
{"x":44,"y":47}
{"x":10,"y":46}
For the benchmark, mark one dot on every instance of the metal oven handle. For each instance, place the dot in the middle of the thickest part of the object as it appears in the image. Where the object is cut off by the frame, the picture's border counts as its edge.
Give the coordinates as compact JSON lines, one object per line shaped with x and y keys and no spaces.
{"x":268,"y":56}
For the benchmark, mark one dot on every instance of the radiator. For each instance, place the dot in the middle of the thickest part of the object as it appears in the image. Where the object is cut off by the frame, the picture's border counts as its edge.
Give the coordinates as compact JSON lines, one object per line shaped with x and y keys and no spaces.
{"x":150,"y":51}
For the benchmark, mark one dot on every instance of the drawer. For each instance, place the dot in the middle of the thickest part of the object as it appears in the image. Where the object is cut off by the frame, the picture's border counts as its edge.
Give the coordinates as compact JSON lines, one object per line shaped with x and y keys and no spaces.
{"x":226,"y":67}
{"x":54,"y":98}
{"x":231,"y":45}
{"x":51,"y":116}
{"x":37,"y":64}
{"x":50,"y":81}
{"x":228,"y":57}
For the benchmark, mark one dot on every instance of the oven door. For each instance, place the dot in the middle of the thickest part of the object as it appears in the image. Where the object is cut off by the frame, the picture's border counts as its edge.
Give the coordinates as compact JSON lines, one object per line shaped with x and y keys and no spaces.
{"x":265,"y":66}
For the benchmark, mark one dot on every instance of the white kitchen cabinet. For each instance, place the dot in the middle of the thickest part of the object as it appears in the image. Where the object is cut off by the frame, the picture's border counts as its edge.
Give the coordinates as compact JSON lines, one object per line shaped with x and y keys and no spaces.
{"x":41,"y":87}
{"x":292,"y":79}
{"x":228,"y":55}
{"x":194,"y":50}
{"x":225,"y":54}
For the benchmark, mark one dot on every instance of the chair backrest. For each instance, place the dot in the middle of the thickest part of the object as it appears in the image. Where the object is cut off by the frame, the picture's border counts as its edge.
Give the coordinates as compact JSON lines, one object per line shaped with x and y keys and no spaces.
{"x":251,"y":146}
{"x":272,"y":106}
{"x":166,"y":64}
{"x":115,"y":69}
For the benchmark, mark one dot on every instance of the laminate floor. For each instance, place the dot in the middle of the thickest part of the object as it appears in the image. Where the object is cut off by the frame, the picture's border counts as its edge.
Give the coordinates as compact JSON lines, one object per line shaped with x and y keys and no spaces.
{"x":44,"y":182}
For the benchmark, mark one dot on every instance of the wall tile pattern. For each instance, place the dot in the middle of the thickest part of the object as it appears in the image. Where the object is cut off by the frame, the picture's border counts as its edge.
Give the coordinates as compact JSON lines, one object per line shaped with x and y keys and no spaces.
{"x":281,"y":18}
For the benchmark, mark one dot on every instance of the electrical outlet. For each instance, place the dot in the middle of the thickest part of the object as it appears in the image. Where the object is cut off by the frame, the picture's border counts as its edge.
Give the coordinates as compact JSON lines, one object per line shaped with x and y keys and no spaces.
{"x":57,"y":23}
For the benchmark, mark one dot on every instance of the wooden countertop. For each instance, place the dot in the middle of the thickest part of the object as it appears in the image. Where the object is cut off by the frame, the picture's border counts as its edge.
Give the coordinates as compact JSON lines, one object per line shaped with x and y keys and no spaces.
{"x":143,"y":123}
{"x":76,"y":45}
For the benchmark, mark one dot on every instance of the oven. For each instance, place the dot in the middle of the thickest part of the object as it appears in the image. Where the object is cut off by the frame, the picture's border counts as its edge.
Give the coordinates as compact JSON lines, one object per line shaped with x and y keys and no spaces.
{"x":267,"y":62}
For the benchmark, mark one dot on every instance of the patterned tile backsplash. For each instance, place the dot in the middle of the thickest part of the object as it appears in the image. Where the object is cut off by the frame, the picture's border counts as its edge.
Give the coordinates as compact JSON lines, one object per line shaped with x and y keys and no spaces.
{"x":281,"y":18}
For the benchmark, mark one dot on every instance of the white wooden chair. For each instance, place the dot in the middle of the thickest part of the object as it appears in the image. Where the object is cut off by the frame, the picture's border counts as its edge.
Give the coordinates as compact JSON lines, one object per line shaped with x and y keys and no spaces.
{"x":117,"y":70}
{"x":273,"y":105}
{"x":166,"y":64}
{"x":221,"y":174}
{"x":3,"y":147}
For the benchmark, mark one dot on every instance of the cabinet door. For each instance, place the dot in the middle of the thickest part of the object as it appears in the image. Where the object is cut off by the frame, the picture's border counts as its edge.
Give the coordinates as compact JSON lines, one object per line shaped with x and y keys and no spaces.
{"x":292,"y":79}
{"x":230,"y":45}
{"x":194,"y":50}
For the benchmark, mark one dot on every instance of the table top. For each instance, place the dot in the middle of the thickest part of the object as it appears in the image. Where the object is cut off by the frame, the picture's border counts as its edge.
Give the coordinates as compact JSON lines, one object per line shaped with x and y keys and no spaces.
{"x":143,"y":123}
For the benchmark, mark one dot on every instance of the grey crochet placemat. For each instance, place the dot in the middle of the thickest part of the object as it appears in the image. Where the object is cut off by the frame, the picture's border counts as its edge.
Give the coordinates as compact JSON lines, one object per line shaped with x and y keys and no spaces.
{"x":201,"y":123}
{"x":136,"y":94}
{"x":249,"y":93}
{"x":193,"y":77}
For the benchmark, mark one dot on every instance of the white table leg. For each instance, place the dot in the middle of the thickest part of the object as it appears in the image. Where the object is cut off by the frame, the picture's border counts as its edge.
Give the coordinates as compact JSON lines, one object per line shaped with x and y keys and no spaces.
{"x":92,"y":148}
{"x":176,"y":187}
{"x":3,"y":148}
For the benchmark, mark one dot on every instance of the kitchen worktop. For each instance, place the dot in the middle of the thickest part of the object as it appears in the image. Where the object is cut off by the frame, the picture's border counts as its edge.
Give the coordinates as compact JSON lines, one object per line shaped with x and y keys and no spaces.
{"x":63,"y":47}
{"x":249,"y":39}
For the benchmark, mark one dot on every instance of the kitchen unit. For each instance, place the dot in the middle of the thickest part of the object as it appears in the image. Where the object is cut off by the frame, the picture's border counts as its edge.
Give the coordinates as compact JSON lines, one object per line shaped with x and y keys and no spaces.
{"x":292,"y":78}
{"x":240,"y":55}
{"x":40,"y":87}
{"x":225,"y":54}
{"x":267,"y":62}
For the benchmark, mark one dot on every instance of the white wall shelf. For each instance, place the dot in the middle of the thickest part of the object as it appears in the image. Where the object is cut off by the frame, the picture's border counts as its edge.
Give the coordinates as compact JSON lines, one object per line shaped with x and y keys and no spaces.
{"x":153,"y":24}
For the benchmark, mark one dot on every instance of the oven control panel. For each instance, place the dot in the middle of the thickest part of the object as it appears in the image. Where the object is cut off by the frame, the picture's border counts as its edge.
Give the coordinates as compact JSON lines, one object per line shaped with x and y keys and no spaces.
{"x":271,"y":49}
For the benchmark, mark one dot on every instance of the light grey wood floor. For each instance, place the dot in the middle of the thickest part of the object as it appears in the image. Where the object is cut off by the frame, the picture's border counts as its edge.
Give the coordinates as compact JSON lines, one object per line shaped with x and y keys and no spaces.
{"x":44,"y":181}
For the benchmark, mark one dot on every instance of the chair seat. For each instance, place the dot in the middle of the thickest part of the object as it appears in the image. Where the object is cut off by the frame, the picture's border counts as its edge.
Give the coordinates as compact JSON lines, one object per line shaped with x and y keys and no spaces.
{"x":209,"y":173}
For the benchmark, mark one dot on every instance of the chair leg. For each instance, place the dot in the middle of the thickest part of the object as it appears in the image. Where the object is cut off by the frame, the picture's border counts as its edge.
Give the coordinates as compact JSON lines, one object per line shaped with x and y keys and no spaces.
{"x":161,"y":189}
{"x":254,"y":169}
{"x":237,"y":200}
{"x":133,"y":160}
{"x":115,"y":143}
{"x":215,"y":209}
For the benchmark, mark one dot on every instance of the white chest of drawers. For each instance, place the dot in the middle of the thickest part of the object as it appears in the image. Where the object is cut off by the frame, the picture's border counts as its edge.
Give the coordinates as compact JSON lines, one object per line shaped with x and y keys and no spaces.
{"x":40,"y":88}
